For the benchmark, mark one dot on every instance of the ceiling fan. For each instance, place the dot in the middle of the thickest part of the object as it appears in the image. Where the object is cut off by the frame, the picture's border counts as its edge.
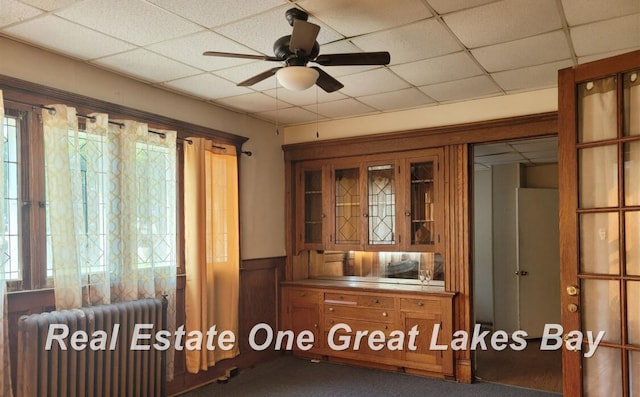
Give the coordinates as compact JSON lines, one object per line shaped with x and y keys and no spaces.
{"x":300,"y":48}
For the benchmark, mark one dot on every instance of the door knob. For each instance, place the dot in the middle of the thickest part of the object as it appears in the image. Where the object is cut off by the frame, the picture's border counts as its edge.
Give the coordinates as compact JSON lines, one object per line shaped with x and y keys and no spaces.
{"x":521,"y":273}
{"x":573,"y":290}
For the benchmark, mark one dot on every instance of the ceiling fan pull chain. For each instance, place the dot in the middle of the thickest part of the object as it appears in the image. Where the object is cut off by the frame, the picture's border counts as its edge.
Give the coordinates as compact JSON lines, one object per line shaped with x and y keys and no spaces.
{"x":317,"y":131}
{"x":277,"y":109}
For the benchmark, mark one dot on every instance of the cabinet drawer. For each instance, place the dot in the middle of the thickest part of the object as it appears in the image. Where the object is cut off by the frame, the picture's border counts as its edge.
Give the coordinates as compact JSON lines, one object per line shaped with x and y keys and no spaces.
{"x":359,"y":325}
{"x":303,"y":295}
{"x":386,"y":302}
{"x":420,"y":305}
{"x":346,"y":313}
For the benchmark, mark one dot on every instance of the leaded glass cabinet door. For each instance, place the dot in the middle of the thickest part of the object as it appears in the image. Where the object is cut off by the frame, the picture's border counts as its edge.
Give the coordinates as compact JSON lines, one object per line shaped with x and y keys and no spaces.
{"x":381,"y":210}
{"x":311,"y":213}
{"x":599,"y":143}
{"x":422,"y":205}
{"x":346,"y":231}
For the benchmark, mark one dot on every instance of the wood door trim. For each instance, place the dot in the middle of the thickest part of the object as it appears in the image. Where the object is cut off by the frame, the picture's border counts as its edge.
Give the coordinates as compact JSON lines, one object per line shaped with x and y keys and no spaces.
{"x":568,"y":203}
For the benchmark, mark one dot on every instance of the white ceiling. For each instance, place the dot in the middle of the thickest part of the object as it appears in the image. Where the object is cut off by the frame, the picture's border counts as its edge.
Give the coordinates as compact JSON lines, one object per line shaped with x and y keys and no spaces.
{"x":528,"y":152}
{"x":441,"y":50}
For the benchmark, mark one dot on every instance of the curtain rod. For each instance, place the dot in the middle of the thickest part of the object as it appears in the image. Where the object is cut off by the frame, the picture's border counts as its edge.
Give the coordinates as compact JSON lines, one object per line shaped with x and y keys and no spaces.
{"x":162,"y":134}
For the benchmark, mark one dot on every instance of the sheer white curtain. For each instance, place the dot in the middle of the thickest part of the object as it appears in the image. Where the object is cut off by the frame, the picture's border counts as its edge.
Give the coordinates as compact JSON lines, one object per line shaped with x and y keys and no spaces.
{"x":5,"y":369}
{"x":111,"y":194}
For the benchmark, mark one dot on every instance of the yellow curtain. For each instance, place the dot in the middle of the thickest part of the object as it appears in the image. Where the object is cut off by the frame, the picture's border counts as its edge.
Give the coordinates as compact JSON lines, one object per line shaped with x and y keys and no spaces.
{"x":5,"y":369}
{"x":212,"y":254}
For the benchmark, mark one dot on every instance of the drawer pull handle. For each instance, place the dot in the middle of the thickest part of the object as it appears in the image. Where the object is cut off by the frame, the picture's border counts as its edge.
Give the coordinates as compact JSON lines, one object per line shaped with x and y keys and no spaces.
{"x":420,"y":303}
{"x":315,"y":325}
{"x":384,"y":314}
{"x":376,"y":301}
{"x":331,"y":309}
{"x":331,"y":321}
{"x":303,"y":294}
{"x":341,"y":297}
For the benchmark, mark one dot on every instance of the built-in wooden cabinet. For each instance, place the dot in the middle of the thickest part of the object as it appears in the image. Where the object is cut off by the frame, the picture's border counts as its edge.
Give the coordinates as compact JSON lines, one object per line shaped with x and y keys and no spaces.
{"x":302,"y":308}
{"x":336,"y":313}
{"x":373,"y":203}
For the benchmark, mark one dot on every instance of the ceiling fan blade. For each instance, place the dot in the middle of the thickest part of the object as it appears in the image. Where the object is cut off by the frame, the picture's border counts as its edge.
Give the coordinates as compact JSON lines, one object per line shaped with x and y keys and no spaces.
{"x":245,"y":56}
{"x":354,"y":58}
{"x":326,"y":82}
{"x":304,"y":36}
{"x":259,"y":77}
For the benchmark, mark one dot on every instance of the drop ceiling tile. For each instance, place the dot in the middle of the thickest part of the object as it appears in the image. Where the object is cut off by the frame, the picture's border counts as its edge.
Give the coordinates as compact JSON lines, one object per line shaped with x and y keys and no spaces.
{"x":504,"y":21}
{"x":135,"y":21}
{"x":504,"y":158}
{"x":341,"y":108}
{"x":293,"y":115}
{"x":436,"y":70}
{"x":486,"y":149}
{"x":447,"y":6}
{"x":146,"y":65}
{"x":219,"y":13}
{"x":207,"y":86}
{"x":548,"y":156}
{"x":306,"y":97}
{"x":14,"y":11}
{"x":402,"y":99}
{"x":371,"y":82}
{"x":605,"y":36}
{"x":536,"y":145}
{"x":341,"y":47}
{"x":356,"y":17}
{"x":579,"y":12}
{"x":253,"y":103}
{"x":531,"y":78}
{"x":49,"y":5}
{"x":67,"y":38}
{"x":189,"y":50}
{"x":261,"y":31}
{"x":474,"y":87}
{"x":240,"y":73}
{"x":420,"y":40}
{"x":530,"y":51}
{"x":596,"y":57}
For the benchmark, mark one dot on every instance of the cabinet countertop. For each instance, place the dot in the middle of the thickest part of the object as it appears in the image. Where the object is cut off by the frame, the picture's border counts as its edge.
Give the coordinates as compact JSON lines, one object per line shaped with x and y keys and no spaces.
{"x":370,"y":286}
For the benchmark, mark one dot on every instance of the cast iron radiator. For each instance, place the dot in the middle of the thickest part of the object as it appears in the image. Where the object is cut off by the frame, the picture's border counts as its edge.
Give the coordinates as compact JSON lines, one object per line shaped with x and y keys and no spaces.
{"x":99,"y":370}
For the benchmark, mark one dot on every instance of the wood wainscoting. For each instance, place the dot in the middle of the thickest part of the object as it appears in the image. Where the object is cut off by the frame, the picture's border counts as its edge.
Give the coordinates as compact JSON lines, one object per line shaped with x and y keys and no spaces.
{"x":259,"y":284}
{"x":259,"y":299}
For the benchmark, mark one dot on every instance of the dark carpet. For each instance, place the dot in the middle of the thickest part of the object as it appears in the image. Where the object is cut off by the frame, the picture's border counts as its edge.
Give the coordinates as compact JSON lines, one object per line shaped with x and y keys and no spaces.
{"x":292,"y":377}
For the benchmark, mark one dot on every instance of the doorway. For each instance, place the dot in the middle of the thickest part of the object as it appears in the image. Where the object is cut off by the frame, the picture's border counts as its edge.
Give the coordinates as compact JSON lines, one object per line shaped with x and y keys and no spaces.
{"x":516,"y":259}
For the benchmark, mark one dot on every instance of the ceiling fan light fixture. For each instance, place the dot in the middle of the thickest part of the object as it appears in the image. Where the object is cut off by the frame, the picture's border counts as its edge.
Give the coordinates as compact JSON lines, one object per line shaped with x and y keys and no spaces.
{"x":297,"y":78}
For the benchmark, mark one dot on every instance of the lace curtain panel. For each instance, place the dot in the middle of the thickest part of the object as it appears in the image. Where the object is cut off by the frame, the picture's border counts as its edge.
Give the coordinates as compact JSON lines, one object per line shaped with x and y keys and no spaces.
{"x":111,"y":211}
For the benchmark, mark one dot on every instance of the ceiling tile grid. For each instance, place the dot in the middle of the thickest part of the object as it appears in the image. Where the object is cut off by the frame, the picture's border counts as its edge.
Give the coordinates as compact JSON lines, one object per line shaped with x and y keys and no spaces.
{"x":441,"y":50}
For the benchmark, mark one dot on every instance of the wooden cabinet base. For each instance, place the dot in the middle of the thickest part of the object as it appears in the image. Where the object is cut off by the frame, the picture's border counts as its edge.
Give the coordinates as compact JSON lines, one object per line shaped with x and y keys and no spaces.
{"x":385,"y":329}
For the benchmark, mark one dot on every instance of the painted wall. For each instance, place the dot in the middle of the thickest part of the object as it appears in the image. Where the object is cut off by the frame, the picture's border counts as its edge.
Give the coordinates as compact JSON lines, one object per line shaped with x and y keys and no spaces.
{"x":506,"y":178}
{"x":483,"y":247}
{"x":262,"y":175}
{"x":520,"y":104}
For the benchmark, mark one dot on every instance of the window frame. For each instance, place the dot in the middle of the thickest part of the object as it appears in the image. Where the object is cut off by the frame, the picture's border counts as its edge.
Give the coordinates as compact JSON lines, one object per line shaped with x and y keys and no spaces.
{"x":32,"y":178}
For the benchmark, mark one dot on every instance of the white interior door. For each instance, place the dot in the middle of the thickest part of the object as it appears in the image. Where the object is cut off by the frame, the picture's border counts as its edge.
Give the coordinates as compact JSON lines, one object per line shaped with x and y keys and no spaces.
{"x":538,"y":260}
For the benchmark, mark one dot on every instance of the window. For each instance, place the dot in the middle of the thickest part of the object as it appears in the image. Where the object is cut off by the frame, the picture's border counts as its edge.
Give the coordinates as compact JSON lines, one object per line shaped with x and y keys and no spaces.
{"x":26,"y":245}
{"x":10,"y":246}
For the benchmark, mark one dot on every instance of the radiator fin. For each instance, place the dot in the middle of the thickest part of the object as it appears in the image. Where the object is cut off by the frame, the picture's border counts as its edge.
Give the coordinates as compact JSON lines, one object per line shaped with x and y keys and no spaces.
{"x":99,"y":373}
